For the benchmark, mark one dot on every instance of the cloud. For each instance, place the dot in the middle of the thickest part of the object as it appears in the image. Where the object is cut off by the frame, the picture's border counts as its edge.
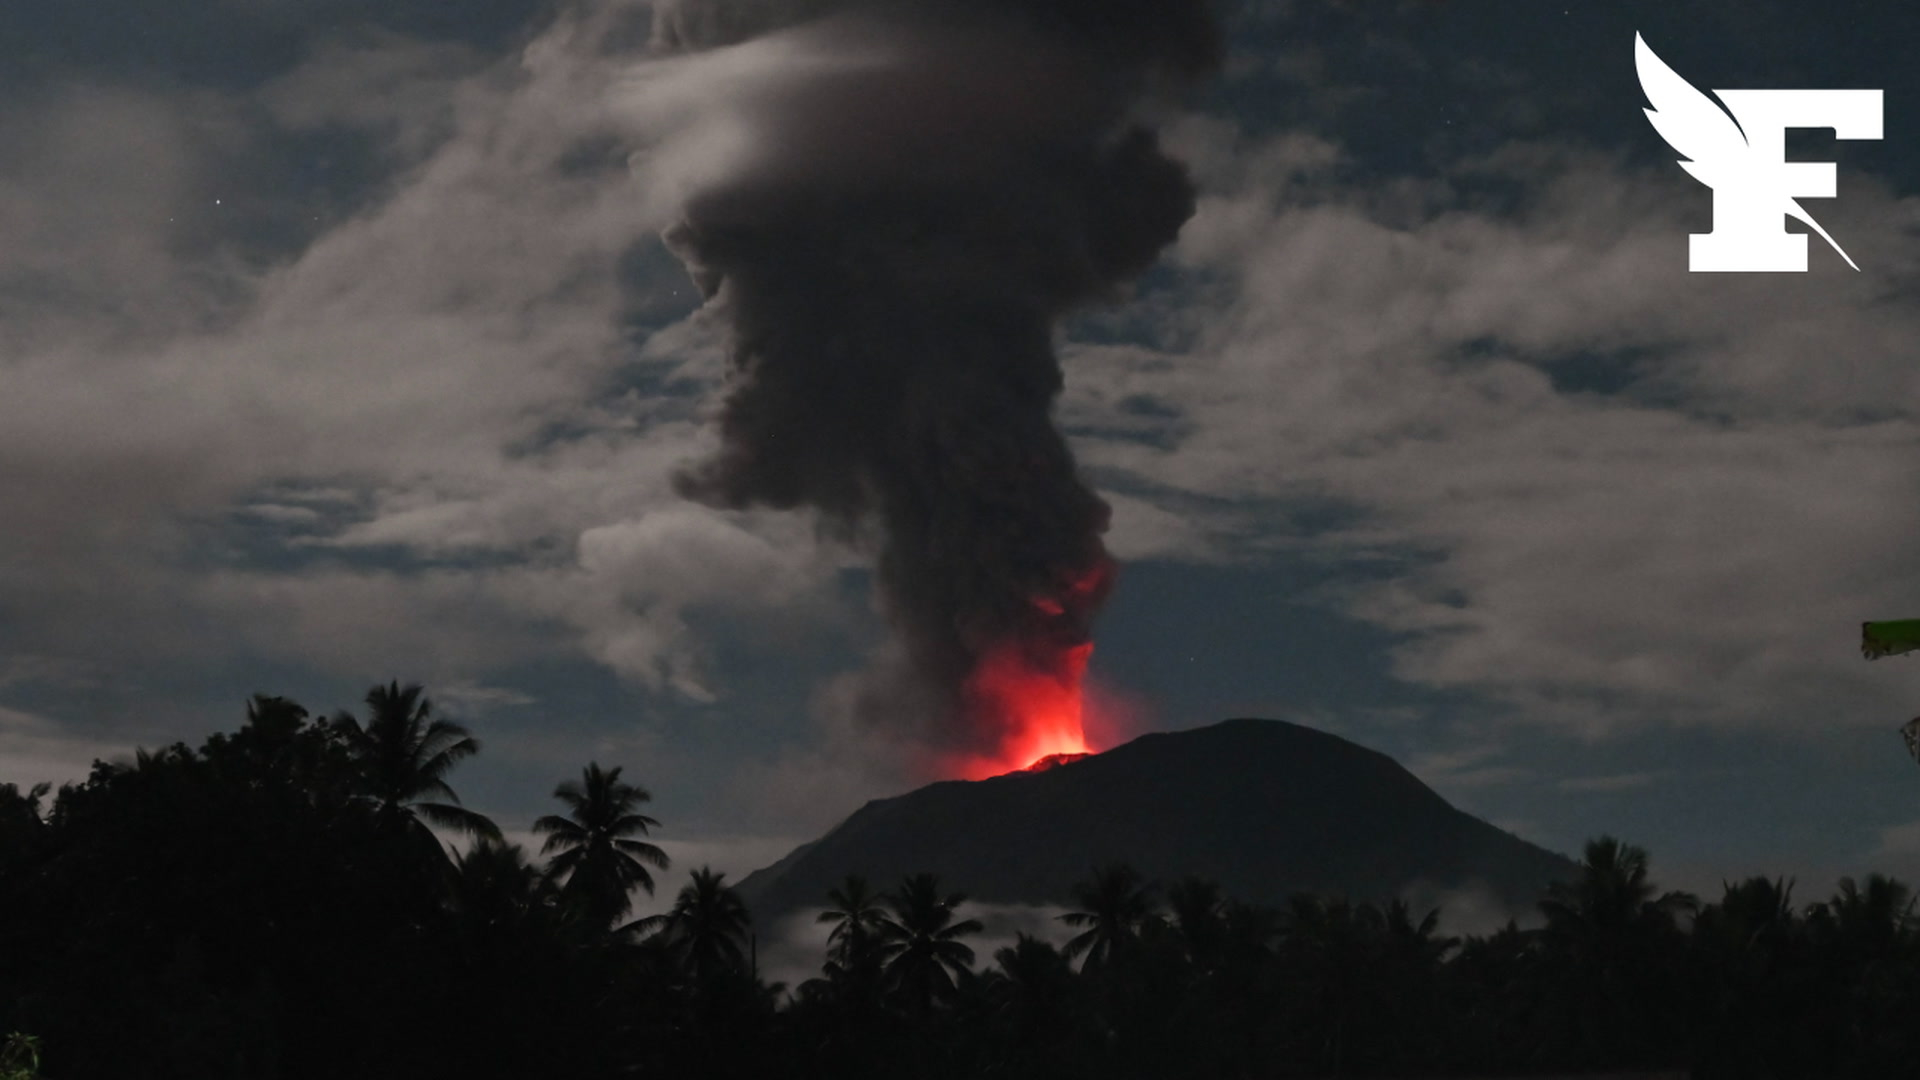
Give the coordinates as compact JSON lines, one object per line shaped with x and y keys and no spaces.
{"x":1464,"y":768}
{"x":400,"y":88}
{"x":1617,"y":782}
{"x":35,"y":749}
{"x":1612,"y":493}
{"x":479,"y":699}
{"x":638,"y":580}
{"x":1899,"y":840}
{"x":401,"y":443}
{"x":1472,"y":910}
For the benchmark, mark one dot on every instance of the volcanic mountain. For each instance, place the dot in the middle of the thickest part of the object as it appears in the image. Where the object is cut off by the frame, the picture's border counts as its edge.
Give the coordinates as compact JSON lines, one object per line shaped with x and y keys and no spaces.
{"x":1264,"y":807}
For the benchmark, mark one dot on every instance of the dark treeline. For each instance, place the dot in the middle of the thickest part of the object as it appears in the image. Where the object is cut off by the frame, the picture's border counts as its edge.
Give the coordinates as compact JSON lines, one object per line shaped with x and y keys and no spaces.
{"x":273,"y":905}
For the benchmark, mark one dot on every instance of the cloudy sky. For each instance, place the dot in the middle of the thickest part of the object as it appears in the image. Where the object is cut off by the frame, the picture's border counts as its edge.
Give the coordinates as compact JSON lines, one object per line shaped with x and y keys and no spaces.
{"x":338,"y":345}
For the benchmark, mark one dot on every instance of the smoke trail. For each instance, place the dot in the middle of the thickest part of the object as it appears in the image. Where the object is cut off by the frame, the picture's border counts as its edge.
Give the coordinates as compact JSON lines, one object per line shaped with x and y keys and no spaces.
{"x":919,"y":192}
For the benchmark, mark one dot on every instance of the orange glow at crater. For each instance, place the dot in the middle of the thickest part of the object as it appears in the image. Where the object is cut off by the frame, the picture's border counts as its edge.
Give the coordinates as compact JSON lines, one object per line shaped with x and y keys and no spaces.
{"x":1035,"y":702}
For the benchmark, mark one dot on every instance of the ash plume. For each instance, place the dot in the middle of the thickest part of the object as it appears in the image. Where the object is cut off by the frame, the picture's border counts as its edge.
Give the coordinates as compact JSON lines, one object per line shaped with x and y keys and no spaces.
{"x":915,"y":193}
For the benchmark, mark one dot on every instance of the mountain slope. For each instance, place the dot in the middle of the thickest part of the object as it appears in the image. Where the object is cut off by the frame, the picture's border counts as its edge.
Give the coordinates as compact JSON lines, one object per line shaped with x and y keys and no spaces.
{"x":1264,"y":807}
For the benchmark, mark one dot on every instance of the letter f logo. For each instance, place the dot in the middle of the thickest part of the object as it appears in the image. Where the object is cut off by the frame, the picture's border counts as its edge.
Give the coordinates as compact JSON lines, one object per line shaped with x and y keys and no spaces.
{"x":1743,"y":158}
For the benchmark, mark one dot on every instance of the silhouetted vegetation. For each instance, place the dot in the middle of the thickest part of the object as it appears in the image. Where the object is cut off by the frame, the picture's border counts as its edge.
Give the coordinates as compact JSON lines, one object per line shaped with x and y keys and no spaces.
{"x":272,"y":905}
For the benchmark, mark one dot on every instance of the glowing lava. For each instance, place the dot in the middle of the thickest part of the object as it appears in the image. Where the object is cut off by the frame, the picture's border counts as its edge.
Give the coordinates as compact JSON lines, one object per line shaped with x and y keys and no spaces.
{"x":1035,"y":702}
{"x":1025,"y":698}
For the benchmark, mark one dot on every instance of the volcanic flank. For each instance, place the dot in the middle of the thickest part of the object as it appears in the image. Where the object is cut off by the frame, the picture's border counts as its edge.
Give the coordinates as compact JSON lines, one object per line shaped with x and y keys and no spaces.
{"x":1265,"y":808}
{"x":912,"y":194}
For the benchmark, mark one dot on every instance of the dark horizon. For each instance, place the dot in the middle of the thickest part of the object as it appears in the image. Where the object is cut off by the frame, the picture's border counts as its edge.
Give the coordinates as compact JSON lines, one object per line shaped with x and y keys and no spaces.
{"x":168,"y":881}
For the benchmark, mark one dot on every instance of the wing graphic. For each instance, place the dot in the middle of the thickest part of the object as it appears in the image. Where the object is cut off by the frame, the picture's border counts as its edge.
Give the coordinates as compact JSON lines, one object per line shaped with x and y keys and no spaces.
{"x":1691,"y":122}
{"x":1702,"y":130}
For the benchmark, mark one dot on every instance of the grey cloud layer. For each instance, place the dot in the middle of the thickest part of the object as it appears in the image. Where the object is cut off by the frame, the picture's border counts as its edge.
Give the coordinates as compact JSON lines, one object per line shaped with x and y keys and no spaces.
{"x":1695,"y":545}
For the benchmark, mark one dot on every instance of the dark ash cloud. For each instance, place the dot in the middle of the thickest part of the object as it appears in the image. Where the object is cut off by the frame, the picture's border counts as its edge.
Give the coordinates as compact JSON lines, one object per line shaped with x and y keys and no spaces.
{"x":918,"y":199}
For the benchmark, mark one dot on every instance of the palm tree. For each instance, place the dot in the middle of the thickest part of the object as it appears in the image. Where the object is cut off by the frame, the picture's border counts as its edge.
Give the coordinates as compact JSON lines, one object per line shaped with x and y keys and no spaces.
{"x":401,"y":758}
{"x":924,"y":939}
{"x":495,"y":887}
{"x":1613,"y":892}
{"x":1865,"y":938}
{"x":20,"y":815}
{"x":1759,"y":1012}
{"x":1868,"y":922}
{"x":598,"y":857}
{"x":1418,"y":944}
{"x":1199,"y":915}
{"x":856,"y":946}
{"x":1033,"y":991}
{"x":23,"y":828}
{"x":1114,"y":904}
{"x":1615,"y":941}
{"x":704,"y":930}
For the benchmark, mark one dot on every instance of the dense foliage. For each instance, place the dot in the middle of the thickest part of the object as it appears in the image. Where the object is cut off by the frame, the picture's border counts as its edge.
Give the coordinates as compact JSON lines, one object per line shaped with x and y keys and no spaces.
{"x":271,"y":905}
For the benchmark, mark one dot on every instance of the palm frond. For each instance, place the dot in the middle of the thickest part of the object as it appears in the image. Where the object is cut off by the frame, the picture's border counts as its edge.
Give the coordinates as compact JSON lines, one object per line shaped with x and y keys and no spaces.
{"x":647,"y":927}
{"x":627,"y":823}
{"x":438,"y":764}
{"x":648,"y":853}
{"x":968,"y":926}
{"x":458,"y":817}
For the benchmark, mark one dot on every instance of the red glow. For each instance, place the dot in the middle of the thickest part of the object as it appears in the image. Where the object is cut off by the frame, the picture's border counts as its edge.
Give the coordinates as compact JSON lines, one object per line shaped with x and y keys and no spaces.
{"x":1036,"y":702}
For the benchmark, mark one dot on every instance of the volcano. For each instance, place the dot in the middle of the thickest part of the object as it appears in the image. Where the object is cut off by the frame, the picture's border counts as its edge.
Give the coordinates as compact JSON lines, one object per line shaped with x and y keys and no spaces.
{"x":1264,"y":807}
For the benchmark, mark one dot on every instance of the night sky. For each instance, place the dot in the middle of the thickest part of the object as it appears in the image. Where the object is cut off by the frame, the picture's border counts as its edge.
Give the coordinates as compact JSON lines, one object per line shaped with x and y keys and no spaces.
{"x":338,"y":345}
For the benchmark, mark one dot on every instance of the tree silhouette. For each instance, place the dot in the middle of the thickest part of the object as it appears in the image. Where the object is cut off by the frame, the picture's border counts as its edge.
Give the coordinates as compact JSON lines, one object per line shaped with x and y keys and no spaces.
{"x":927,"y":953}
{"x":857,"y":947}
{"x":217,"y":912}
{"x":1751,"y":990}
{"x":1199,"y":915}
{"x":1113,"y":905}
{"x":705,"y":929}
{"x":1866,"y":923}
{"x":495,"y":887}
{"x":1615,"y":940}
{"x":23,"y":829}
{"x":1038,"y":1011}
{"x":598,"y":858}
{"x":401,"y":758}
{"x":1866,"y":940}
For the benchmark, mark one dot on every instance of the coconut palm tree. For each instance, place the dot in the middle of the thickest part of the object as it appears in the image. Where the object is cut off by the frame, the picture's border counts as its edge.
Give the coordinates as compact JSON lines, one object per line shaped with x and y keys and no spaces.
{"x":1614,"y":941}
{"x":1113,"y":905}
{"x":1869,"y":951}
{"x":1034,"y":993}
{"x":705,"y":929}
{"x":401,"y":758}
{"x":495,"y":886}
{"x":1199,"y":915}
{"x":1612,"y":892}
{"x":1418,"y":944}
{"x":1759,"y":1009}
{"x":23,"y":828}
{"x":598,"y":858}
{"x":857,"y":947}
{"x":924,"y":939}
{"x":20,"y":814}
{"x":1869,"y":922}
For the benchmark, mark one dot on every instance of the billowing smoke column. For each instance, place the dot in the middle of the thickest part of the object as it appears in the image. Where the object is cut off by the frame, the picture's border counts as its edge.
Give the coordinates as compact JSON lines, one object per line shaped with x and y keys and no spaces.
{"x":909,"y":208}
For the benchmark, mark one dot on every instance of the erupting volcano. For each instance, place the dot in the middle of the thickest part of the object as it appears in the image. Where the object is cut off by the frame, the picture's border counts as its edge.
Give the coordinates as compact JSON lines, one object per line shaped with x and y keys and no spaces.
{"x":1031,"y":706}
{"x":899,"y":201}
{"x":1025,"y":697}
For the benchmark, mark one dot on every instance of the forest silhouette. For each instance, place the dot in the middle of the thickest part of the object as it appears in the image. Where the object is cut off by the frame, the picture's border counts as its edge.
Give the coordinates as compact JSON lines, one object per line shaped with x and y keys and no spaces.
{"x":275,"y":904}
